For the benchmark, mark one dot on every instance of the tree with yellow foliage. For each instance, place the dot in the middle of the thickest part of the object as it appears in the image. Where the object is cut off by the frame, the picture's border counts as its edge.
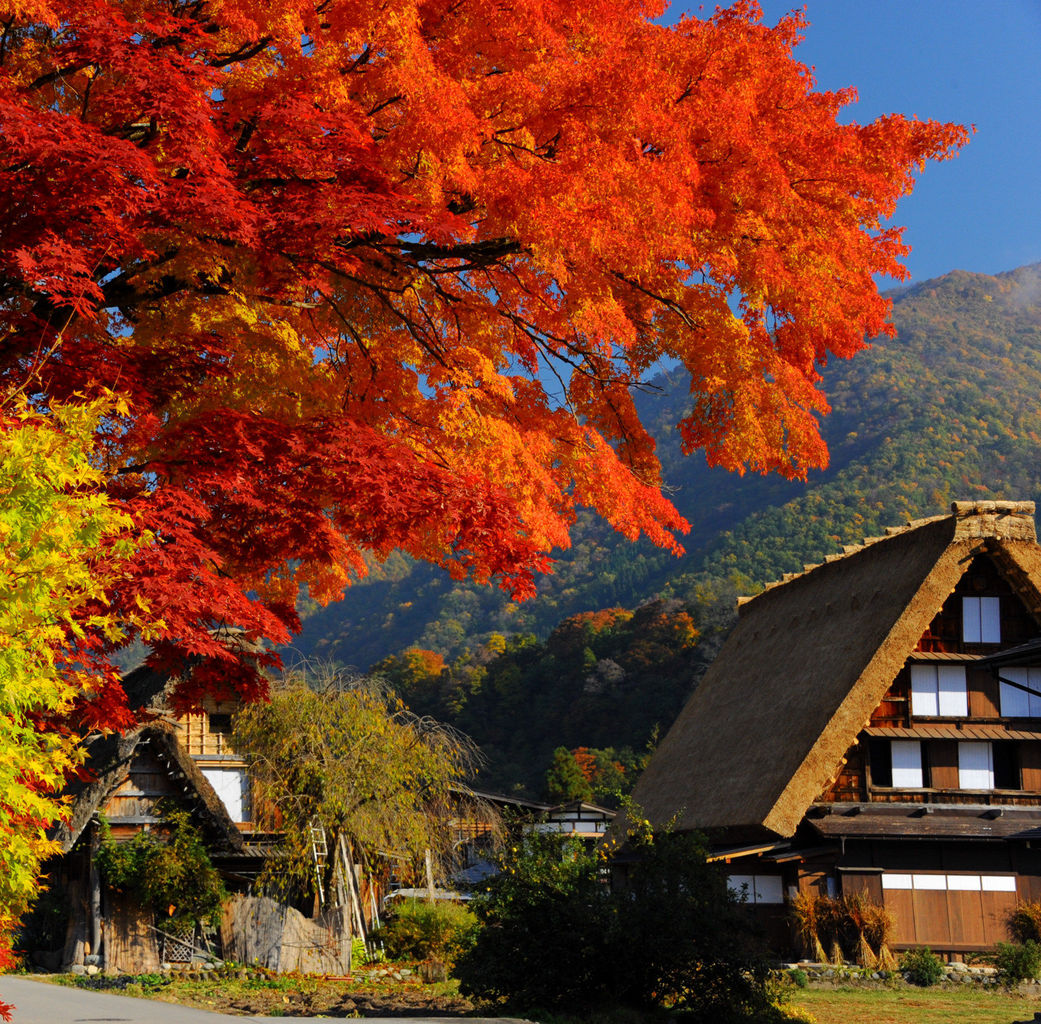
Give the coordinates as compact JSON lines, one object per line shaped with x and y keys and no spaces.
{"x":62,"y":545}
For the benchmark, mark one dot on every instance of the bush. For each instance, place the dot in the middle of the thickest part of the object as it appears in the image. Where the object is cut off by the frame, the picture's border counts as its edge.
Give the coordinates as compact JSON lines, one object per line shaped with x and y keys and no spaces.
{"x":544,"y":917}
{"x":1018,"y":962}
{"x":171,"y":874}
{"x":798,"y":977}
{"x":922,"y":967}
{"x":420,"y":930}
{"x":1025,"y":922}
{"x":556,"y":938}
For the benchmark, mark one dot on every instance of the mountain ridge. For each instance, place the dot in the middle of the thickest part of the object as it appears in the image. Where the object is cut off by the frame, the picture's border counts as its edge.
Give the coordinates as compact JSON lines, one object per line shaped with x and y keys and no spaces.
{"x":942,"y":411}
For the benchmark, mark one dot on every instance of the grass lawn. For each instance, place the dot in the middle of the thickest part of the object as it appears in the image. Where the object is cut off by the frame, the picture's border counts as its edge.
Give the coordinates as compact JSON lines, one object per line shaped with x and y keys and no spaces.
{"x":914,"y":1006}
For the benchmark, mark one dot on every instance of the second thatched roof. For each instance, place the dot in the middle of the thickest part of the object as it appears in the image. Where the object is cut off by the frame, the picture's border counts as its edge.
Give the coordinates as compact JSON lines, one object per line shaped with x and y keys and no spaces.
{"x":809,"y":661}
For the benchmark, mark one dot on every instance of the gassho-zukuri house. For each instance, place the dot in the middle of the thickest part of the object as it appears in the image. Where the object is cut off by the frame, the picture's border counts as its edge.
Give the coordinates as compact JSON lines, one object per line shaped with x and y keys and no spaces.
{"x":873,"y":724}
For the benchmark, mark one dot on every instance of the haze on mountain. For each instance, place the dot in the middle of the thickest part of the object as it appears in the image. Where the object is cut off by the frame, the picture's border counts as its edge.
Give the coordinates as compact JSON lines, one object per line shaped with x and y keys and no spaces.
{"x":948,"y":409}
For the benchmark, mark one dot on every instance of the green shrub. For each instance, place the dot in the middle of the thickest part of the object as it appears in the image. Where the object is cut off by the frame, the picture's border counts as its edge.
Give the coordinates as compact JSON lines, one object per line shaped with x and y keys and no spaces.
{"x":170,"y":873}
{"x":1018,"y":962}
{"x":555,"y":937}
{"x":419,"y":930}
{"x":798,"y":977}
{"x":922,"y":967}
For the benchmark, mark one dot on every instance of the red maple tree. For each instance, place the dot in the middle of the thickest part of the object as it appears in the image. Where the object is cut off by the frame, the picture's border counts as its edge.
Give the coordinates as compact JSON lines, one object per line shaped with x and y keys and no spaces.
{"x":378,"y":276}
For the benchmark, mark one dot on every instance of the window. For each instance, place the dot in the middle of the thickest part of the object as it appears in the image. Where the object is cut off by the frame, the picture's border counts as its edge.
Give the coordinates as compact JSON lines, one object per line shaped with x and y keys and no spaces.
{"x":232,"y":786}
{"x":894,"y":880}
{"x":998,"y":883}
{"x":897,"y":763}
{"x":757,"y":888}
{"x":939,"y":691}
{"x":952,"y":883}
{"x":975,"y":765}
{"x":881,"y":762}
{"x":220,"y":722}
{"x":907,"y":764}
{"x":981,"y":620}
{"x":1006,"y":766}
{"x":1016,"y":703}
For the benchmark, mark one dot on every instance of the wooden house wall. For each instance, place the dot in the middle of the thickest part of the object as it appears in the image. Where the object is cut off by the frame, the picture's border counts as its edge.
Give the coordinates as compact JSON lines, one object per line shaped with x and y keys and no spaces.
{"x":947,"y":920}
{"x":983,"y":693}
{"x":943,"y":764}
{"x":773,"y":922}
{"x":867,"y":882}
{"x":895,"y":707}
{"x":130,"y":939}
{"x":850,"y":784}
{"x":135,"y":801}
{"x":1030,"y":766}
{"x":815,"y":879}
{"x":206,"y":736}
{"x":982,"y":579}
{"x":941,"y":781}
{"x":198,"y":734}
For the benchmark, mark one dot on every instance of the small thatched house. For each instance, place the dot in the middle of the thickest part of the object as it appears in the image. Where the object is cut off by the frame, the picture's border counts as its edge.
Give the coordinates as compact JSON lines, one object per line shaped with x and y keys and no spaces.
{"x":873,"y":725}
{"x":184,"y":764}
{"x":163,"y":763}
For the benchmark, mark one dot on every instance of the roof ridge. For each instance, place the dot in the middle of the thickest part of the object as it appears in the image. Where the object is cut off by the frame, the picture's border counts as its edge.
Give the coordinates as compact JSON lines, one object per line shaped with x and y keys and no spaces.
{"x":961,"y":511}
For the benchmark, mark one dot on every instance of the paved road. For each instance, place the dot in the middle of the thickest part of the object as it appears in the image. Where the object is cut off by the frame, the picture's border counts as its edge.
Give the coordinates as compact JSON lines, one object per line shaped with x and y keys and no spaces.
{"x":38,"y":1002}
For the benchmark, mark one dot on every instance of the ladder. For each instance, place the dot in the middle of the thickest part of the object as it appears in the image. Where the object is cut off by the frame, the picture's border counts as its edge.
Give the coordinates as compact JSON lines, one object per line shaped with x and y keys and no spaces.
{"x":319,"y":852}
{"x":345,"y":879}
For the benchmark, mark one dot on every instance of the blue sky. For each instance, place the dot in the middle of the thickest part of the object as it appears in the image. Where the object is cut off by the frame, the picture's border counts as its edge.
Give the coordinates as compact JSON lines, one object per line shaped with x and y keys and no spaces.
{"x":973,"y":62}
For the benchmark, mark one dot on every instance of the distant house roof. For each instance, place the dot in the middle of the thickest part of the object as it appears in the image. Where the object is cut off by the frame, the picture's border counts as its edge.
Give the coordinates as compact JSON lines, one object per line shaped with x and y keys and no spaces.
{"x":580,"y":810}
{"x":501,"y":800}
{"x":808,"y":662}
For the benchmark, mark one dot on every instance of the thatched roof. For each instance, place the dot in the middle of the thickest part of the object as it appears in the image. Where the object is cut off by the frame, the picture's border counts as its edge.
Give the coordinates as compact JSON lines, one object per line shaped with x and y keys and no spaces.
{"x":808,"y":662}
{"x":109,"y":759}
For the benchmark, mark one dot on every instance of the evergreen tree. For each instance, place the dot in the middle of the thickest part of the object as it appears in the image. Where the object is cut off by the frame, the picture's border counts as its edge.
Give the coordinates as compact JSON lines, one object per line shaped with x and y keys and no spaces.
{"x":565,"y":780}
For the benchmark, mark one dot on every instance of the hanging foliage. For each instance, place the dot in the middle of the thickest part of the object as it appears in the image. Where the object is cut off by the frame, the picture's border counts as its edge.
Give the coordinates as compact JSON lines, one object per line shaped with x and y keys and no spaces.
{"x":344,"y":757}
{"x":168,"y":871}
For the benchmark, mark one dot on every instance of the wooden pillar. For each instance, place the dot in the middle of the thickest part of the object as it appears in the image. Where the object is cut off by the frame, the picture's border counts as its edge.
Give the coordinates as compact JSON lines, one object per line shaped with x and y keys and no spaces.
{"x":76,"y":932}
{"x":95,"y":890}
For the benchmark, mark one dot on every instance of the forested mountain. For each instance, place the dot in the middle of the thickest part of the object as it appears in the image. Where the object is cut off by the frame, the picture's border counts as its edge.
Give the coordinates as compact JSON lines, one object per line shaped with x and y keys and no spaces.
{"x":949,"y":409}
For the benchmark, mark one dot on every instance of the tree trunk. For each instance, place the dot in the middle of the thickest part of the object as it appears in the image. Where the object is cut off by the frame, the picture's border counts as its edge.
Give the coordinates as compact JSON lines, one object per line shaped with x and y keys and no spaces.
{"x":76,"y":932}
{"x":95,"y":891}
{"x":430,"y":878}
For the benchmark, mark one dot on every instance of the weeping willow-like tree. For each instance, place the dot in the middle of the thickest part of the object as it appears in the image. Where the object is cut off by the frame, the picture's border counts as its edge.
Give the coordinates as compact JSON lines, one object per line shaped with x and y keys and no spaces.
{"x":344,"y":759}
